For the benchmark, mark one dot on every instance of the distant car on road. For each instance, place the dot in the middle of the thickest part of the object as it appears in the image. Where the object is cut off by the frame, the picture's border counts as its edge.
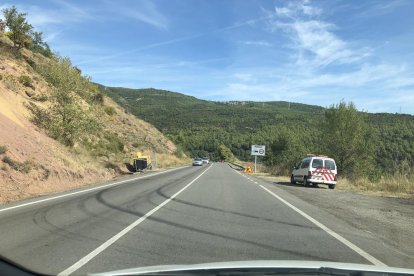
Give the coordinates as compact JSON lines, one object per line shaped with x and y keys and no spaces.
{"x":205,"y":160}
{"x":197,"y":162}
{"x":315,"y":170}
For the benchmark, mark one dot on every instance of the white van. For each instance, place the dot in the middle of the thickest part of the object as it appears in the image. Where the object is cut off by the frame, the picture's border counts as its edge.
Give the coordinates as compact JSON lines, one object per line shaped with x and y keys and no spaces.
{"x":315,"y":170}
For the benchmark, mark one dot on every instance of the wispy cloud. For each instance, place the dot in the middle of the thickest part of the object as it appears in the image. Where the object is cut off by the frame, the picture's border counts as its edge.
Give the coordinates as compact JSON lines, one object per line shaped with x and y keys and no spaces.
{"x":52,"y":20}
{"x":325,"y":67}
{"x":173,"y":41}
{"x":77,"y":13}
{"x":244,"y":76}
{"x":314,"y":40}
{"x":145,"y":11}
{"x":378,"y":8}
{"x":297,"y":8}
{"x":257,"y":43}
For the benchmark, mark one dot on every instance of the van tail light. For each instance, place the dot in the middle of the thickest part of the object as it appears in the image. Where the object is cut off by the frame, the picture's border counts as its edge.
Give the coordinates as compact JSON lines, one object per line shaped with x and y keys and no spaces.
{"x":309,"y":174}
{"x":335,"y":177}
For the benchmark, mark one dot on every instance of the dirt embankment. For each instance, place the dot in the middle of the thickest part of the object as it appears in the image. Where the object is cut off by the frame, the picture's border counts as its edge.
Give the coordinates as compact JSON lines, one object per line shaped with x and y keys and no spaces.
{"x":32,"y":163}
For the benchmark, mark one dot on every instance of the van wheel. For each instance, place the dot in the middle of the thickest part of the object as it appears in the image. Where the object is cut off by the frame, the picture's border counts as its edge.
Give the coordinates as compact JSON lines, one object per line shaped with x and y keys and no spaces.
{"x":331,"y":186}
{"x":292,"y":180}
{"x":305,"y":182}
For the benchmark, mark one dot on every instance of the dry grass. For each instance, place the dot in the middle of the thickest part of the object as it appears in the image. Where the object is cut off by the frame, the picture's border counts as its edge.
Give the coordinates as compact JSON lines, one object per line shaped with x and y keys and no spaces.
{"x":394,"y":186}
{"x":398,"y":186}
{"x":169,"y":160}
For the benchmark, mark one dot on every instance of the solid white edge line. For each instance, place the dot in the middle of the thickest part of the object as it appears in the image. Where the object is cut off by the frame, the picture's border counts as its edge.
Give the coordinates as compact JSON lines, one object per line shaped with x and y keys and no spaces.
{"x":355,"y":248}
{"x":87,"y":190}
{"x":112,"y":240}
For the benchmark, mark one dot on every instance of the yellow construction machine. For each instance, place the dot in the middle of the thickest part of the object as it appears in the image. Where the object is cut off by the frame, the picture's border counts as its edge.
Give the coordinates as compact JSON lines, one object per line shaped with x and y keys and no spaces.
{"x":139,"y":162}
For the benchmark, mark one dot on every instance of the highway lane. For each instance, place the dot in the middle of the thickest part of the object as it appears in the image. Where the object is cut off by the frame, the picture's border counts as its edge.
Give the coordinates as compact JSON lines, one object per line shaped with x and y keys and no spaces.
{"x":216,"y":214}
{"x":221,"y":217}
{"x":52,"y":235}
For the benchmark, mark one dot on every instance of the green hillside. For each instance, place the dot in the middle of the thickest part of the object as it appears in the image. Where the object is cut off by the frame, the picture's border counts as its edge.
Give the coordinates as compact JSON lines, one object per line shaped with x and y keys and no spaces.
{"x":289,"y":130}
{"x":167,"y":110}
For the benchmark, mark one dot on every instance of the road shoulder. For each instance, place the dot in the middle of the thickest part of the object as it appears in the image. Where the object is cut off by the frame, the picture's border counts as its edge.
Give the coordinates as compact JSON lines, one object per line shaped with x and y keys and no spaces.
{"x":388,"y":221}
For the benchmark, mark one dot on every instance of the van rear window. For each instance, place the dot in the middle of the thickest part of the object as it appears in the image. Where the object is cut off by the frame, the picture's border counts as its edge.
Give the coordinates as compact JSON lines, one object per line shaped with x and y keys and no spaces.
{"x":317,"y":163}
{"x":329,"y":165}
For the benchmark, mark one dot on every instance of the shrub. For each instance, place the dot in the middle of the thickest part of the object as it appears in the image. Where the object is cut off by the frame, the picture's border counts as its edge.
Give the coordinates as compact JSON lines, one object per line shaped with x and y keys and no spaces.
{"x":26,"y":81}
{"x":98,"y":98}
{"x":107,"y":144}
{"x":31,"y":62}
{"x":40,"y":98}
{"x":114,"y":144}
{"x":10,"y":83}
{"x":23,"y":167}
{"x":109,"y":110}
{"x":41,"y":117}
{"x":3,"y":149}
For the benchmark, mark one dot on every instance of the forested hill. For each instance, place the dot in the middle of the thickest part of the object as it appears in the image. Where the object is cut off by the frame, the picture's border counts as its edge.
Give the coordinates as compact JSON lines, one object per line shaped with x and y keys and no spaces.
{"x":169,"y":110}
{"x":288,"y":129}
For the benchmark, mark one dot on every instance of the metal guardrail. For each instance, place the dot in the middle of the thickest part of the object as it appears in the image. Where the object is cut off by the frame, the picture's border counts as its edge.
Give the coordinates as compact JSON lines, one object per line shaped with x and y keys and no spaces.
{"x":236,"y":166}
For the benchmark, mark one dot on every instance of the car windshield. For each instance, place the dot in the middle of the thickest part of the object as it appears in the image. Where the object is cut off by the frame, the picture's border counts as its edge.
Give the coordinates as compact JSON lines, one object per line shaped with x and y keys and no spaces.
{"x":139,"y":133}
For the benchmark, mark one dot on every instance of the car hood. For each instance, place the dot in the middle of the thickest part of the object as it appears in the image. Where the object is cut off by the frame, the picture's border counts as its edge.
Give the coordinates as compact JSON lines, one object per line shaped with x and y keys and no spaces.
{"x":249,"y":266}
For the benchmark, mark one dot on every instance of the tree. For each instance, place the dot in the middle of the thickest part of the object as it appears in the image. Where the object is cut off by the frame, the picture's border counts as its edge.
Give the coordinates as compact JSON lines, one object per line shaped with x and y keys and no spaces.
{"x":39,"y":45}
{"x":2,"y":25}
{"x":345,"y":138}
{"x":225,"y":153}
{"x":19,"y":30}
{"x":67,"y":119}
{"x":284,"y":151}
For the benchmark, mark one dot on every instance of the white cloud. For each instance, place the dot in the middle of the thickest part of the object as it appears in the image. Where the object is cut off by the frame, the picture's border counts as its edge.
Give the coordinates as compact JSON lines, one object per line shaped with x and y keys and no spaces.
{"x":283,"y":11}
{"x":325,"y":47}
{"x":257,"y":43}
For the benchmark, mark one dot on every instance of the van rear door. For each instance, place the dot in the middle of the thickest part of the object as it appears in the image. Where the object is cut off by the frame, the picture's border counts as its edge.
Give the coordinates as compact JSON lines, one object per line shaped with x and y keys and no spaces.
{"x":331,"y":170}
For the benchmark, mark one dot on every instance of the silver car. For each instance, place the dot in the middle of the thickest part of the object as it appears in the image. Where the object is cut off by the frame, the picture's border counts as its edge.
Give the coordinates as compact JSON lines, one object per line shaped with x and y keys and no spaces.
{"x":197,"y":162}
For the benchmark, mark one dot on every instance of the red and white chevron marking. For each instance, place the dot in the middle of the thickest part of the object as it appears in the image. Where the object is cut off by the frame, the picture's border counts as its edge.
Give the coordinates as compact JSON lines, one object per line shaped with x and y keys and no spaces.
{"x":327,"y":175}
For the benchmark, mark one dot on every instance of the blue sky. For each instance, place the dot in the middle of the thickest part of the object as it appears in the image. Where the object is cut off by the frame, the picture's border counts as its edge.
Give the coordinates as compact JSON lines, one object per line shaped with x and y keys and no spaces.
{"x":314,"y":52}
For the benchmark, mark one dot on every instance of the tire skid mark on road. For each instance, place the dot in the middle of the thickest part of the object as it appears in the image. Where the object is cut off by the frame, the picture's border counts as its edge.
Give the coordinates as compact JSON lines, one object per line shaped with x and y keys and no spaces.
{"x":89,"y":190}
{"x":116,"y":237}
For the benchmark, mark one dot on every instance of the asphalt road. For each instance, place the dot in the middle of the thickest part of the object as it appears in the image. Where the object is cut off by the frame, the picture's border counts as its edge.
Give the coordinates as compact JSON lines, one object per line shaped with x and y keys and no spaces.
{"x":184,"y":216}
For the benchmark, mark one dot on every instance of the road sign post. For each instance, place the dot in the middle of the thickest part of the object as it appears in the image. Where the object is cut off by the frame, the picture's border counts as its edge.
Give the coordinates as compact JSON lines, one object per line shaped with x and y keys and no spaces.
{"x":258,"y":150}
{"x":255,"y":161}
